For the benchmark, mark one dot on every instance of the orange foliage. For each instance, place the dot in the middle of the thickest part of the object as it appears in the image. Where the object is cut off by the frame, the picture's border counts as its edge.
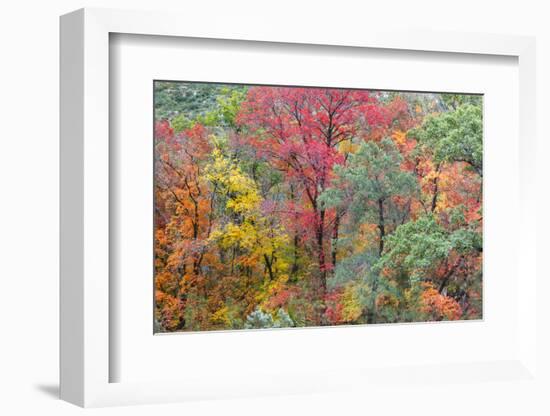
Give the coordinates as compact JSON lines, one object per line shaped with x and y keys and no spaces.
{"x":439,"y":307}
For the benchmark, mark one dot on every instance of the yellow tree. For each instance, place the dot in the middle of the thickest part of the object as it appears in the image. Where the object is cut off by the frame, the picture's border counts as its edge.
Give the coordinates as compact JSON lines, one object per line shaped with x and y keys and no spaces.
{"x":250,"y":234}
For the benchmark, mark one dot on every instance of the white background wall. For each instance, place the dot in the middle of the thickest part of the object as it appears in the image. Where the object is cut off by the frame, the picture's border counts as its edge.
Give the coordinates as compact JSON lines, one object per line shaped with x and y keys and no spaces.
{"x":29,"y":56}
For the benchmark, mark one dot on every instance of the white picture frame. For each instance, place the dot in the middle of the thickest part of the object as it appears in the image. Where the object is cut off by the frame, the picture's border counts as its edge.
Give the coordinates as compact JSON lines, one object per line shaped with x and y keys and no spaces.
{"x":85,"y":355}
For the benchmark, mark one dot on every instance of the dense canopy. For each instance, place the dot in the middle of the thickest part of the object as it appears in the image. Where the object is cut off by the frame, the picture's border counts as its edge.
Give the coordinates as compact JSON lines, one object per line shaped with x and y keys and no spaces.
{"x":290,"y":207}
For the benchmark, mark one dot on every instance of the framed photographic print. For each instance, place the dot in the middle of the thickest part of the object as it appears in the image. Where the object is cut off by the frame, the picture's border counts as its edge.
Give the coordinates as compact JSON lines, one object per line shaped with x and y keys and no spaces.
{"x":285,"y":213}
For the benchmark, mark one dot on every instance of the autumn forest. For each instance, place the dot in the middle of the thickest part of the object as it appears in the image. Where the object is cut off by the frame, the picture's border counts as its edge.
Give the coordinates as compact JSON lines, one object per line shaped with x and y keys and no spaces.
{"x":292,"y":207}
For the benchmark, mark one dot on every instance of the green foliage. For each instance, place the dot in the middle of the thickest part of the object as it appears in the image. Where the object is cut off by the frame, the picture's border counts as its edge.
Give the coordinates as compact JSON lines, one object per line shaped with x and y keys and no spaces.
{"x":259,"y":319}
{"x":416,"y":247}
{"x":229,"y":104}
{"x":466,"y":240}
{"x":372,"y":174}
{"x":454,"y":137}
{"x":453,"y":101}
{"x":283,"y":320}
{"x":173,"y":98}
{"x":181,"y":123}
{"x":355,"y":267}
{"x":187,"y":103}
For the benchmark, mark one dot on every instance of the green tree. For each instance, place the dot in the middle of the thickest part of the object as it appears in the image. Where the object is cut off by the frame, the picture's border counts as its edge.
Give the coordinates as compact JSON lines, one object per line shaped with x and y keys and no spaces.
{"x":453,"y":101}
{"x":259,"y":319}
{"x":369,"y":184}
{"x":371,"y":187}
{"x":456,"y":136}
{"x":420,"y":251}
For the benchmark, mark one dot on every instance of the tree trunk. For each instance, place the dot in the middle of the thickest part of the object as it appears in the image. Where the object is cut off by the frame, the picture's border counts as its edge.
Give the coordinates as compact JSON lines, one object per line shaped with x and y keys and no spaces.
{"x":435,"y":182}
{"x":322,"y":283}
{"x":335,"y":239}
{"x":381,"y":225}
{"x":269,"y":266}
{"x":321,"y":254}
{"x":294,"y":269}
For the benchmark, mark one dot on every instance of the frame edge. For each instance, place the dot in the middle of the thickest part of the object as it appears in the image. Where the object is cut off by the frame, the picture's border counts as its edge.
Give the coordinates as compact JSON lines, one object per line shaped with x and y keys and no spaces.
{"x":71,"y":201}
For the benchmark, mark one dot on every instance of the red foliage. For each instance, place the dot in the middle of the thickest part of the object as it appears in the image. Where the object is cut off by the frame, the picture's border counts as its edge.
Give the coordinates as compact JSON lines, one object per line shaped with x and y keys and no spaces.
{"x":281,"y":298}
{"x":298,"y":131}
{"x":335,"y":307}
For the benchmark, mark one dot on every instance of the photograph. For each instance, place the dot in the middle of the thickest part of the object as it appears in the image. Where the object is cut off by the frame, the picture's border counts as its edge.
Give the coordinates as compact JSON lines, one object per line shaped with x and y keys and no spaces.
{"x":291,"y":206}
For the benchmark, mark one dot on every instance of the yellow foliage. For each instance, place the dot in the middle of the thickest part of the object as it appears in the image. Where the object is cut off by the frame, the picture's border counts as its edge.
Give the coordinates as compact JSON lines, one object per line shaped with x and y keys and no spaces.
{"x":270,"y":289}
{"x":221,"y":317}
{"x":252,"y":232}
{"x":399,"y":137}
{"x":346,"y":147}
{"x":244,"y":234}
{"x":351,"y":304}
{"x":244,"y":195}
